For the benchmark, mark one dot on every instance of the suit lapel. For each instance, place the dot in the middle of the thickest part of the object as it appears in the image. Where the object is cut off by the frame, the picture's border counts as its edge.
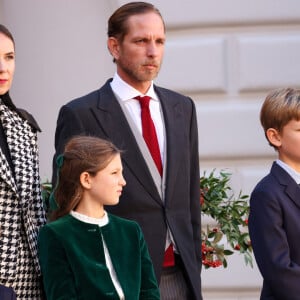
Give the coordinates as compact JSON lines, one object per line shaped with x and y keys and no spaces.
{"x":114,"y":124}
{"x":291,"y":187}
{"x":172,"y":113}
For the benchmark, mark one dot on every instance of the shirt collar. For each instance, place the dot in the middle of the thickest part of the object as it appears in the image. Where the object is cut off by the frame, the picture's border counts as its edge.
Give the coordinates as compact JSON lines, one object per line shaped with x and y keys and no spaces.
{"x":126,"y":92}
{"x":86,"y":219}
{"x":294,"y":174}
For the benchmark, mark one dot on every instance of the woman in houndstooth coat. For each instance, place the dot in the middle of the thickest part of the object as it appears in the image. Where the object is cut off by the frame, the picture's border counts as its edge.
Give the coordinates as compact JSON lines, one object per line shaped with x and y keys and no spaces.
{"x":21,"y":206}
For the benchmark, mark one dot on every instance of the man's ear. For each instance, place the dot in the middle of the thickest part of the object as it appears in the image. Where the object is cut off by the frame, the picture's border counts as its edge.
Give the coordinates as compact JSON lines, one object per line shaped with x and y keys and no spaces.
{"x":113,"y":47}
{"x":274,"y":137}
{"x":85,"y":180}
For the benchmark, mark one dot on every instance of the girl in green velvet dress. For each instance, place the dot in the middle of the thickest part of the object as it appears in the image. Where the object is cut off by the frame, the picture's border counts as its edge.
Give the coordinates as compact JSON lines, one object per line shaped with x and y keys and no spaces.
{"x":86,"y":253}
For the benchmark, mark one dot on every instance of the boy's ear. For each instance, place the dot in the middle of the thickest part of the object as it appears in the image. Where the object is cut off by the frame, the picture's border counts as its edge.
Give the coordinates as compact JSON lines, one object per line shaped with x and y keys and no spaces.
{"x":274,"y":137}
{"x":85,"y":180}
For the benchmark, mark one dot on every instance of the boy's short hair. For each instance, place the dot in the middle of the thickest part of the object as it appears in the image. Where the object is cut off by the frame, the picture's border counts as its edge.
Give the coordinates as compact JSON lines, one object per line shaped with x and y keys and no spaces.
{"x":280,"y":107}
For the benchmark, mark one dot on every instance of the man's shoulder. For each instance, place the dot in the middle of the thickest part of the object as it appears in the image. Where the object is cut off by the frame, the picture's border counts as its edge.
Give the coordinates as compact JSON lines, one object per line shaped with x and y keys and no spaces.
{"x":170,"y":93}
{"x":174,"y":98}
{"x":91,"y":97}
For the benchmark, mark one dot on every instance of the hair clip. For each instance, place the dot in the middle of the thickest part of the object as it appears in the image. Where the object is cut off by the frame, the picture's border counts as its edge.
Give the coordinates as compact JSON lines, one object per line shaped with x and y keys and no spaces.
{"x":53,"y":205}
{"x":60,"y":160}
{"x":52,"y":201}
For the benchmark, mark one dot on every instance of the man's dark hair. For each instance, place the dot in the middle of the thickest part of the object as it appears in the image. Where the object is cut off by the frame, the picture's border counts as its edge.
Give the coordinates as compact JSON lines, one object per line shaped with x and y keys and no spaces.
{"x":117,"y":23}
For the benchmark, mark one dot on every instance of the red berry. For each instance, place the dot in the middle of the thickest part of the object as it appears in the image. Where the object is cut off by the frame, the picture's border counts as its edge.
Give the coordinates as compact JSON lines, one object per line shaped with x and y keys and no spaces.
{"x":237,"y":247}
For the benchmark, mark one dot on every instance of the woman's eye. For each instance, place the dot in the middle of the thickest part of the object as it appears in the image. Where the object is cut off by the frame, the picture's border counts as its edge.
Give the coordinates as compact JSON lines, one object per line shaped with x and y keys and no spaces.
{"x":10,"y":57}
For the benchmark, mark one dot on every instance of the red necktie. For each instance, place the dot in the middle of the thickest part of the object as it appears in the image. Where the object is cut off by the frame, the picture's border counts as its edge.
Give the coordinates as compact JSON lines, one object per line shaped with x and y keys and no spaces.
{"x":149,"y":132}
{"x":150,"y":137}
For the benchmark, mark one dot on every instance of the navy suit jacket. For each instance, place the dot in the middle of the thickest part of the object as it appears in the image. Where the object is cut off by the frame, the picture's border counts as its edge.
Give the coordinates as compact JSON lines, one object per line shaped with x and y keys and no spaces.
{"x":99,"y":114}
{"x":274,"y":225}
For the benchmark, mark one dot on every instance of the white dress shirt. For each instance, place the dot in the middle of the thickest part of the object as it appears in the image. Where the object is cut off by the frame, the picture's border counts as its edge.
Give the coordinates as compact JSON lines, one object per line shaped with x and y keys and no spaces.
{"x":127,"y":93}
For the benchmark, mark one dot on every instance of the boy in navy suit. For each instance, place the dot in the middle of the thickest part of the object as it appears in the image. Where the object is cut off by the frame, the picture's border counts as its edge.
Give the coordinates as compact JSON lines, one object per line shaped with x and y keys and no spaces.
{"x":274,"y":221}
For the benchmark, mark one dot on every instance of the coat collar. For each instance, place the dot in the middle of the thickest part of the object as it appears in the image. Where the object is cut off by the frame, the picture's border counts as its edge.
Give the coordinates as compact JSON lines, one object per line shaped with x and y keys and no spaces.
{"x":291,"y":187}
{"x":21,"y":112}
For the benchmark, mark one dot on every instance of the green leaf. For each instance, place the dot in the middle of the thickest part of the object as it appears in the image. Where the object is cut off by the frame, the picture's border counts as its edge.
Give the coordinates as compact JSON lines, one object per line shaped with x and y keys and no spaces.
{"x":229,"y":212}
{"x":228,"y":252}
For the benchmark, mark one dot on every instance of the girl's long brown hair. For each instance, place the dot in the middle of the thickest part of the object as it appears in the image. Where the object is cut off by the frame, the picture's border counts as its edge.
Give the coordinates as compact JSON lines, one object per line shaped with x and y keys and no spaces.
{"x":81,"y":154}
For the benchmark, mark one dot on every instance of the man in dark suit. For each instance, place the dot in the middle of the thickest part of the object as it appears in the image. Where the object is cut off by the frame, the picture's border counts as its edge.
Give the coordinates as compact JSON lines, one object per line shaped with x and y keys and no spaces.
{"x":274,"y":221}
{"x":162,"y":191}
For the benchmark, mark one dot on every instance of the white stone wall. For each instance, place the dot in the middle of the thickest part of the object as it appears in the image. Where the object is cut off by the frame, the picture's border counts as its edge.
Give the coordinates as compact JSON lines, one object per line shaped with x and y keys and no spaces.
{"x":226,"y":55}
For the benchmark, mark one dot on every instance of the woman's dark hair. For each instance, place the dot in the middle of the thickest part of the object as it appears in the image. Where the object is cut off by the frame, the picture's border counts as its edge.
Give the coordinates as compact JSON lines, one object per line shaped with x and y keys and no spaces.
{"x":81,"y":154}
{"x":117,"y":23}
{"x":6,"y":32}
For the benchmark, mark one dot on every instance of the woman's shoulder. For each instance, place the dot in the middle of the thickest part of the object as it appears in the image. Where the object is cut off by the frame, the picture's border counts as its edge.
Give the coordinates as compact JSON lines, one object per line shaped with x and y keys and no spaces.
{"x":30,"y":119}
{"x":24,"y":114}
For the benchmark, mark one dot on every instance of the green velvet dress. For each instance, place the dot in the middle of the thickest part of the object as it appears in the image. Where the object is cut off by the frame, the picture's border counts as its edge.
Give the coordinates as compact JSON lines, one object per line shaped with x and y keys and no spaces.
{"x":73,"y":261}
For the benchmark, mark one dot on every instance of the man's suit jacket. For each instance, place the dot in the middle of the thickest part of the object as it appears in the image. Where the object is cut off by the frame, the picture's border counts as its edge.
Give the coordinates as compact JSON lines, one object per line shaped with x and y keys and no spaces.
{"x":99,"y":114}
{"x":274,"y":225}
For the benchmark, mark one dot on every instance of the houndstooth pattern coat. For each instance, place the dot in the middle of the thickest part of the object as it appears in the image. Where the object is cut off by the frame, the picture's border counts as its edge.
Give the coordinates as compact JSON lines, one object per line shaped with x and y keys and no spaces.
{"x":21,"y":207}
